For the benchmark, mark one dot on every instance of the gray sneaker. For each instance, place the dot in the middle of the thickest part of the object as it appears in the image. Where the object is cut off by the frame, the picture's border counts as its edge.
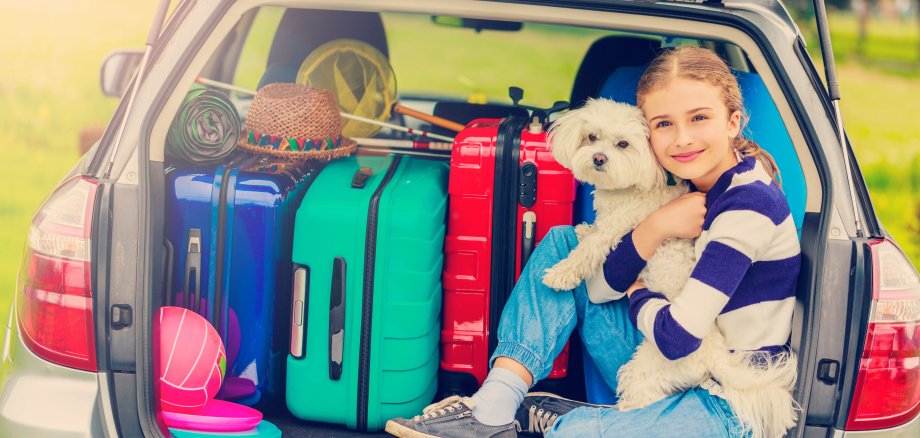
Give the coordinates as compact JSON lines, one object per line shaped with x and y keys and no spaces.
{"x":448,"y":418}
{"x":539,"y":411}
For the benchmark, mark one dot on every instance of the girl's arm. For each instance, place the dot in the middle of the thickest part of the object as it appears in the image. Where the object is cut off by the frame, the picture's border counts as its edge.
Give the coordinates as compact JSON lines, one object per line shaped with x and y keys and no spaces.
{"x":739,"y":232}
{"x":681,"y":218}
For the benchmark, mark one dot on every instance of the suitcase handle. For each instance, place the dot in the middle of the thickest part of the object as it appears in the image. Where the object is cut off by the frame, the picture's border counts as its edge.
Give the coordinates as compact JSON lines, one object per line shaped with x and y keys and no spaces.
{"x":192,"y":277}
{"x":359,"y":180}
{"x":528,"y":236}
{"x":301,"y":290}
{"x":337,"y":319}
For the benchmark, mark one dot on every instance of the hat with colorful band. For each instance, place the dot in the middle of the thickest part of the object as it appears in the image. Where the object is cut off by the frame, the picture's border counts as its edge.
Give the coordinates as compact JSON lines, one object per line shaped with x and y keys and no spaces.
{"x":295,"y":122}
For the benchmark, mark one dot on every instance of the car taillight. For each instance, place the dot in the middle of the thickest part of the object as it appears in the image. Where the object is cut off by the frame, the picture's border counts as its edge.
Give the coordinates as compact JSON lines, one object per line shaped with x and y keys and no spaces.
{"x":55,"y":301}
{"x":887,"y":390}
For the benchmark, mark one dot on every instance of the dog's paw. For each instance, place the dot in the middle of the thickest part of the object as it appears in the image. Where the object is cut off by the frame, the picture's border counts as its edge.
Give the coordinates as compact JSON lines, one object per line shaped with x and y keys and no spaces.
{"x":561,"y":277}
{"x":582,"y":230}
{"x":637,"y":397}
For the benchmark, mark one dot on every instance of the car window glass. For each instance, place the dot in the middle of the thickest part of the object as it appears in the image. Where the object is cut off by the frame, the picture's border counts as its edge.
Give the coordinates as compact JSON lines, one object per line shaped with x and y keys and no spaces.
{"x":254,"y":54}
{"x":480,"y":66}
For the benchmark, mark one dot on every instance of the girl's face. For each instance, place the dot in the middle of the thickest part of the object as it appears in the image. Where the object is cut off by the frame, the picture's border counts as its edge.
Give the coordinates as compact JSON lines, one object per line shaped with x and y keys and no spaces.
{"x":691,"y":131}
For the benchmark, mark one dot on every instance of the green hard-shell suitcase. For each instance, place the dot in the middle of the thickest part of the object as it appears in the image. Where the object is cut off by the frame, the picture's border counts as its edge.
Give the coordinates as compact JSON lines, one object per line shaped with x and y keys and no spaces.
{"x":368,"y":255}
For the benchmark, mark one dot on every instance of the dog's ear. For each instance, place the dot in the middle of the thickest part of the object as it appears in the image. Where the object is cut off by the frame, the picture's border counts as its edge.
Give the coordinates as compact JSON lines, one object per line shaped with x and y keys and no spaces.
{"x":565,"y":136}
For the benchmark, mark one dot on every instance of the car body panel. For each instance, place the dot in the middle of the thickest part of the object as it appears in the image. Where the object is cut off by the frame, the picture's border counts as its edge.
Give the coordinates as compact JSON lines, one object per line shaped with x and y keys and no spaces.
{"x":42,"y":399}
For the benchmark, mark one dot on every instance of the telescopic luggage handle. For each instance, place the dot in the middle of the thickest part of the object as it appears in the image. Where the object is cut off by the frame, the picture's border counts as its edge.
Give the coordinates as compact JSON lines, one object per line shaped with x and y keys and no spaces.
{"x":337,"y":319}
{"x":192,"y":277}
{"x":301,"y":292}
{"x":528,"y":236}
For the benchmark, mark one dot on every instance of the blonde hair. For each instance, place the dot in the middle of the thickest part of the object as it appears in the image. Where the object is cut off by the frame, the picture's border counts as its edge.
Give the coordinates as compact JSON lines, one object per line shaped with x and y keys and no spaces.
{"x":704,"y":65}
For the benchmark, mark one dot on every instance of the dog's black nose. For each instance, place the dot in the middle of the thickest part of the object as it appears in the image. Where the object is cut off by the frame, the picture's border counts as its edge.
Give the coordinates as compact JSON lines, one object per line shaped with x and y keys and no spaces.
{"x":599,"y":159}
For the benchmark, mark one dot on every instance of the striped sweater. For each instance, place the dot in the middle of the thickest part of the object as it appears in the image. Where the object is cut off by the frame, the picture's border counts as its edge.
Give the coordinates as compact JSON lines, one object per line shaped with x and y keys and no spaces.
{"x":748,"y":262}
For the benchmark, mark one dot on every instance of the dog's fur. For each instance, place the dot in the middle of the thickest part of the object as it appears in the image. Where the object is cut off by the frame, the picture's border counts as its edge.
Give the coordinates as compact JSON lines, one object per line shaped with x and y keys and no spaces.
{"x":631,"y":185}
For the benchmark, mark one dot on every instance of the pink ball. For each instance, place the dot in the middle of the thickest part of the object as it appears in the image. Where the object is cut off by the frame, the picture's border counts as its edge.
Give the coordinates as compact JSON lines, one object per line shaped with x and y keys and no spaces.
{"x":192,"y":359}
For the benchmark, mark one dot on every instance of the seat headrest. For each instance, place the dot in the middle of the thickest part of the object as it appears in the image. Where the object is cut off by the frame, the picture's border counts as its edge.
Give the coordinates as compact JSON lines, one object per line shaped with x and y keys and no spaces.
{"x":606,"y":55}
{"x":303,"y":30}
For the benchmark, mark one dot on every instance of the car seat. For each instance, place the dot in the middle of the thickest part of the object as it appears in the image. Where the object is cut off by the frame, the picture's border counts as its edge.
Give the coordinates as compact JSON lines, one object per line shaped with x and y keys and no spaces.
{"x":303,"y":30}
{"x":765,"y":127}
{"x":605,"y":56}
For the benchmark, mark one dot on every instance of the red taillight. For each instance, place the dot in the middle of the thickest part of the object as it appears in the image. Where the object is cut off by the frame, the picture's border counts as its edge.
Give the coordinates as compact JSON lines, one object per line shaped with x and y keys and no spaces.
{"x":55,"y":301}
{"x":887,"y":390}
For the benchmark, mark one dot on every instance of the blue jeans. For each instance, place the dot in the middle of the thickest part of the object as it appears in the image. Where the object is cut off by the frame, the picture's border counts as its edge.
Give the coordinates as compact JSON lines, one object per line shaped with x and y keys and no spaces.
{"x":537,"y":322}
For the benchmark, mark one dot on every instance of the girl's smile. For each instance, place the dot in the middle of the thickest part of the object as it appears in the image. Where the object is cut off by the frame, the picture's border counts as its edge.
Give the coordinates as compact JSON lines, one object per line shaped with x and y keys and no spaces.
{"x":691,"y":131}
{"x":687,"y":157}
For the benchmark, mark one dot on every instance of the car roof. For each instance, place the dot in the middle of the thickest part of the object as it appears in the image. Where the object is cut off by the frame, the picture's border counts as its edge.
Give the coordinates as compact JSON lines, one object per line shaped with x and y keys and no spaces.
{"x":773,"y":10}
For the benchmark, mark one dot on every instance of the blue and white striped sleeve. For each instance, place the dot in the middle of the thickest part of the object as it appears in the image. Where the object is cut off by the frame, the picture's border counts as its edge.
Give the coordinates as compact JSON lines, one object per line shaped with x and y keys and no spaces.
{"x":623,"y":265}
{"x":734,"y":238}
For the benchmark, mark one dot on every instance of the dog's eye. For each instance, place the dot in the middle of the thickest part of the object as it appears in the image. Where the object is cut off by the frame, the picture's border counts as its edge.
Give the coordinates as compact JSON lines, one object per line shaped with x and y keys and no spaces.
{"x":623,"y":144}
{"x":592,"y":138}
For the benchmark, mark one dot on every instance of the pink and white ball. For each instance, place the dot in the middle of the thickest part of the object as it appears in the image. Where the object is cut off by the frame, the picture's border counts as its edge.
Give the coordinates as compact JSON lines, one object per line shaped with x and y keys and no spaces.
{"x":192,"y":359}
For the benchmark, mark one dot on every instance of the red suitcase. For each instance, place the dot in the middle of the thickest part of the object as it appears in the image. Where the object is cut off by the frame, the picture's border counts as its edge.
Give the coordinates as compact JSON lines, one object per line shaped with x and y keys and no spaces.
{"x":506,"y":192}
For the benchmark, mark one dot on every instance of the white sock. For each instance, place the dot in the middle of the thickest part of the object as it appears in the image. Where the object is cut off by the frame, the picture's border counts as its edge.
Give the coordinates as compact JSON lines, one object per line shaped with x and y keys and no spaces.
{"x":499,"y":397}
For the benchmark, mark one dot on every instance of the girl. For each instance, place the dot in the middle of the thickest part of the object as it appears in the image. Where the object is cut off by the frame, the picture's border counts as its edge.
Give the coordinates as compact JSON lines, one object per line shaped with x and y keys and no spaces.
{"x":744,"y":279}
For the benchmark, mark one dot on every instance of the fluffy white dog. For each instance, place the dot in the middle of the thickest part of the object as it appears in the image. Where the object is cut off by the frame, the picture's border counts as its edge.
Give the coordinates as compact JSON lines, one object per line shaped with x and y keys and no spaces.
{"x":605,"y":143}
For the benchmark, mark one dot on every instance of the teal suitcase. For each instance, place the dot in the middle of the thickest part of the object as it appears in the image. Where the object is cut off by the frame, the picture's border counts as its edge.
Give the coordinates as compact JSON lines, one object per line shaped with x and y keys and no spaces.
{"x":365,"y":325}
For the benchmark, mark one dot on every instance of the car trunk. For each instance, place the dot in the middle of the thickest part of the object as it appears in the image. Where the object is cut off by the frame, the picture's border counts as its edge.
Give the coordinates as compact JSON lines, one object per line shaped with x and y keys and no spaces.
{"x":184,"y":261}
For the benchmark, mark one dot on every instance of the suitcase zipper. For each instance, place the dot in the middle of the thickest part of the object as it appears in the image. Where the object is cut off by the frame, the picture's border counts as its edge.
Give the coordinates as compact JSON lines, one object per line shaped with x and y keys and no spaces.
{"x":504,"y":220}
{"x":370,"y":250}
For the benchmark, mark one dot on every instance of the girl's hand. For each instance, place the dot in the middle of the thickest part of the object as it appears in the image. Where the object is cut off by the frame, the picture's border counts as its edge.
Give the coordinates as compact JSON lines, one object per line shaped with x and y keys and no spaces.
{"x":681,"y":218}
{"x":639,"y":284}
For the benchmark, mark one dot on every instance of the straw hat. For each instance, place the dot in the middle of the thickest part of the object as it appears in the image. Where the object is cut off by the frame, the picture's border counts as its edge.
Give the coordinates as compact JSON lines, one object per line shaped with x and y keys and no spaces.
{"x":295,"y":122}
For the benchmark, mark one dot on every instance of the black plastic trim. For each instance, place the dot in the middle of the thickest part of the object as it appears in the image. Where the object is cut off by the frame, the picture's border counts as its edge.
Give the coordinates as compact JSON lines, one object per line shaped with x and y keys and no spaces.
{"x":504,"y":220}
{"x":367,"y":306}
{"x":859,"y":304}
{"x":150,"y":235}
{"x":99,"y":280}
{"x":125,"y":414}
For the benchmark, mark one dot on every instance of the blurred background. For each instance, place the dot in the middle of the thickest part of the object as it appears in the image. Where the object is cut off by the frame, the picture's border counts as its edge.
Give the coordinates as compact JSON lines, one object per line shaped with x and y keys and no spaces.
{"x":53,"y":108}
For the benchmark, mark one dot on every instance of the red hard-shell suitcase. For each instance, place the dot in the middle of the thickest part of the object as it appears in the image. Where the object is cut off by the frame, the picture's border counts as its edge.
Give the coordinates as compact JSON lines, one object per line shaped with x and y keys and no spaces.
{"x":506,"y":192}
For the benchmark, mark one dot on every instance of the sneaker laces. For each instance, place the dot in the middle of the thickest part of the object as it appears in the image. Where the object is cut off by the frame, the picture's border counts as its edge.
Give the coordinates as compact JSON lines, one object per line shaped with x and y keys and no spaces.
{"x":540,"y":420}
{"x":443,"y":407}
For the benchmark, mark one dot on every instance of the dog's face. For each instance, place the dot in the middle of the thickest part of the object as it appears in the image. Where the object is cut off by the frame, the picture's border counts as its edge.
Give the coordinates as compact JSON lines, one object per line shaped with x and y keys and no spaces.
{"x":605,"y":143}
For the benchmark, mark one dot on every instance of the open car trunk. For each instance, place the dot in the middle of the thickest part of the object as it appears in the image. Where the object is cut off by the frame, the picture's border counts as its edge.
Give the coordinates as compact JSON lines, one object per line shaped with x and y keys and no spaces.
{"x":242,"y":236}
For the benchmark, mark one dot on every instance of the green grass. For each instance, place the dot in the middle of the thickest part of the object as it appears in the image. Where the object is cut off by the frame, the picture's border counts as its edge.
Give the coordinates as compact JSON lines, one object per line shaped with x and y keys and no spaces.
{"x":880,"y":112}
{"x":51,"y":54}
{"x":891,"y":46}
{"x":49,"y":90}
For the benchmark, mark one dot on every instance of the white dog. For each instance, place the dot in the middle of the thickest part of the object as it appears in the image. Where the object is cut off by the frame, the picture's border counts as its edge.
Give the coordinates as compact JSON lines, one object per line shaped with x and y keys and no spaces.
{"x":605,"y":143}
